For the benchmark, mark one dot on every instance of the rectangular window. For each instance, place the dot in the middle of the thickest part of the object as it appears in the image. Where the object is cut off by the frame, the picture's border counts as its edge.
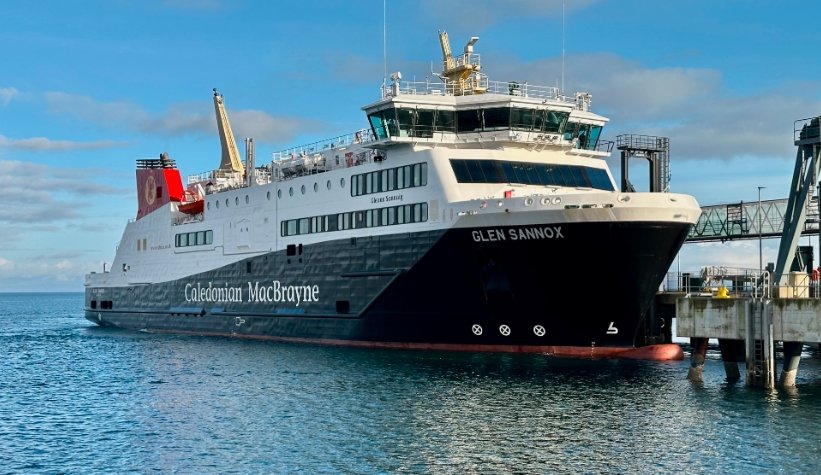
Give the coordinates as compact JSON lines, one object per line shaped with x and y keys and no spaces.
{"x":209,"y":237}
{"x":497,"y":171}
{"x":445,"y":121}
{"x":468,"y":121}
{"x":497,"y":118}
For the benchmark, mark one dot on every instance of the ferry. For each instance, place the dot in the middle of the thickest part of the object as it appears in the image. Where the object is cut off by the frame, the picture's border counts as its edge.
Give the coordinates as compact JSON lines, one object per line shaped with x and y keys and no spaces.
{"x":469,"y":215}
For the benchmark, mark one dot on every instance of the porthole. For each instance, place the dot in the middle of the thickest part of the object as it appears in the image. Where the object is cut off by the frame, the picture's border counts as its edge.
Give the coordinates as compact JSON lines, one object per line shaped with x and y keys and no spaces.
{"x":342,"y":183}
{"x":236,"y":200}
{"x":328,"y":185}
{"x":545,"y":201}
{"x":279,"y":193}
{"x":227,"y":203}
{"x":528,"y":201}
{"x":557,"y":200}
{"x":302,"y":189}
{"x":291,"y":191}
{"x":316,"y":187}
{"x":209,"y":205}
{"x":268,"y":195}
{"x":247,"y":200}
{"x":217,"y":203}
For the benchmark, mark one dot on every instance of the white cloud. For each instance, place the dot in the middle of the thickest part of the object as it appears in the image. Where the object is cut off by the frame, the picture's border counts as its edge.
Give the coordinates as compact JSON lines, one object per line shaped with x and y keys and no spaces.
{"x":691,"y":106}
{"x":34,"y":193}
{"x":42,"y":144}
{"x":178,"y":119}
{"x":7,"y":94}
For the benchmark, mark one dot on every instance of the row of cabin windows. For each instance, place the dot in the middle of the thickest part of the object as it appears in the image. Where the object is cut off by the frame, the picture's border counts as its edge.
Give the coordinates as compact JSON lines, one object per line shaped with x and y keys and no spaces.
{"x":497,"y":171}
{"x":388,"y":216}
{"x":198,"y":238}
{"x":104,"y":304}
{"x":390,"y":179}
{"x":402,"y":122}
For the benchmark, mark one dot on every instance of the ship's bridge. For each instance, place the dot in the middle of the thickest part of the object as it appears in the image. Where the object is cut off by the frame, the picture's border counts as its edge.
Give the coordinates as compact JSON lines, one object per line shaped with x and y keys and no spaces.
{"x":503,"y":112}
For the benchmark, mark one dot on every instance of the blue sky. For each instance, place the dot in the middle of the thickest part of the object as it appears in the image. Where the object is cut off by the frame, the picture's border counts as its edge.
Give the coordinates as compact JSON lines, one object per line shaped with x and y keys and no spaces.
{"x":87,"y":87}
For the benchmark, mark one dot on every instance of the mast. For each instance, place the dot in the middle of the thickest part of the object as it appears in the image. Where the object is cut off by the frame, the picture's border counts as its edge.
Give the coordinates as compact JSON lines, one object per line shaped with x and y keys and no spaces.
{"x":230,"y":155}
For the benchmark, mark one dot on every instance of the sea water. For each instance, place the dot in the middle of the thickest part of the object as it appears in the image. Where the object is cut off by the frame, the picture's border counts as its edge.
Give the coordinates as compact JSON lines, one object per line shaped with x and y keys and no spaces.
{"x":76,"y":398}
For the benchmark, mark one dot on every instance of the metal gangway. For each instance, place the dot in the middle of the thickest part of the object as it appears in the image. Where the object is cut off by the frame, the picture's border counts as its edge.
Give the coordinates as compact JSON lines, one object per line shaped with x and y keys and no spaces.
{"x":749,"y":220}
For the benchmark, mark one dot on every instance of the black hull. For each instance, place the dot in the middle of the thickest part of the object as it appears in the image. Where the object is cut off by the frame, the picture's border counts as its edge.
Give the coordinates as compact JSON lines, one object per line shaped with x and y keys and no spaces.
{"x":515,"y":288}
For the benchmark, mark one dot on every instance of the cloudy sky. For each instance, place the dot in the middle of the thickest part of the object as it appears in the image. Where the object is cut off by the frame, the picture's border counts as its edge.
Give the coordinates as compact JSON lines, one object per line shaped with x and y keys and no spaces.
{"x":87,"y":87}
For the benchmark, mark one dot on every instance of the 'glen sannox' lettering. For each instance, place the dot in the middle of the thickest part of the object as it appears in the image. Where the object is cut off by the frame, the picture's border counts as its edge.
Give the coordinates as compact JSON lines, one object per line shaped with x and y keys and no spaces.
{"x":517,"y":234}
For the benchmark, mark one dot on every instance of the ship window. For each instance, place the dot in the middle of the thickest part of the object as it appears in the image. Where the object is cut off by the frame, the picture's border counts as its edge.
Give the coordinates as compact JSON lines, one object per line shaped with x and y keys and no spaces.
{"x":424,"y":123}
{"x":268,"y":195}
{"x":236,"y":200}
{"x":405,"y":118}
{"x":291,"y":191}
{"x":209,"y":237}
{"x":586,"y":135}
{"x":247,"y":199}
{"x":383,"y":181}
{"x":279,"y":193}
{"x":208,"y":205}
{"x":460,"y":169}
{"x":183,"y":239}
{"x":495,"y":171}
{"x":445,"y":121}
{"x":200,"y":238}
{"x":217,"y":203}
{"x":417,"y":174}
{"x":302,"y":189}
{"x":497,"y":118}
{"x":475,"y":170}
{"x":468,"y":121}
{"x":383,"y":123}
{"x":226,"y":202}
{"x":303,"y":226}
{"x":342,"y":183}
{"x":316,"y":187}
{"x":489,"y":169}
{"x":521,"y":119}
{"x":93,"y":304}
{"x":328,"y":185}
{"x":555,"y":121}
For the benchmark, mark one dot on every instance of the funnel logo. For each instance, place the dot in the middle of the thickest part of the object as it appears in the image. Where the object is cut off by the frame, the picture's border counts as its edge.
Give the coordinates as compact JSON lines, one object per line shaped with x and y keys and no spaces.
{"x":150,"y":190}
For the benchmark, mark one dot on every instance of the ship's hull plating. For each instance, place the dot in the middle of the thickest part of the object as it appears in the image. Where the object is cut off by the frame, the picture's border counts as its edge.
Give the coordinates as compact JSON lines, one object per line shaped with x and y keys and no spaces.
{"x":570,"y":288}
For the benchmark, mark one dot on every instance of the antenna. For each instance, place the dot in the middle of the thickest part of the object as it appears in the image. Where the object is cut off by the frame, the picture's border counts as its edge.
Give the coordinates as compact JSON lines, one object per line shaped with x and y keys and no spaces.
{"x":385,"y":40}
{"x":561,"y":92}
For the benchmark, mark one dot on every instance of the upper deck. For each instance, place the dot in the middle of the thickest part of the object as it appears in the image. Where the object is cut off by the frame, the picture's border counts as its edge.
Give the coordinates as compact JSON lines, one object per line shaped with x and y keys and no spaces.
{"x":462,"y":110}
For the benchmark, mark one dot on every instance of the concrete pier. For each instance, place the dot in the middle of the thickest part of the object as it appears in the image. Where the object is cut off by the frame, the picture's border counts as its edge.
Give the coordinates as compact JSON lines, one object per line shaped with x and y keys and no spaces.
{"x":699,"y":346}
{"x":792,"y":356}
{"x":749,"y":326}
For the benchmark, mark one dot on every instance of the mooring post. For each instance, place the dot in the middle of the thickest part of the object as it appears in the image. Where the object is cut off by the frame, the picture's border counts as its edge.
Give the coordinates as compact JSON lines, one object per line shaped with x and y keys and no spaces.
{"x":699,"y":349}
{"x":732,"y":351}
{"x":792,"y":356}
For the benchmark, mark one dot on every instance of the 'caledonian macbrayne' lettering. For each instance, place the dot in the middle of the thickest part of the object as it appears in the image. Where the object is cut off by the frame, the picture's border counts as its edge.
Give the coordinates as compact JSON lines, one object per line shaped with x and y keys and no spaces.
{"x":519,"y":234}
{"x":276,"y":293}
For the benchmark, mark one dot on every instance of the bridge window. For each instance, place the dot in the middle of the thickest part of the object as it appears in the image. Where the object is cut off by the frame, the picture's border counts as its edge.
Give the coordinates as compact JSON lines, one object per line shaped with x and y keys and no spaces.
{"x":586,"y":135}
{"x":497,"y":118}
{"x":445,"y":121}
{"x":468,"y":121}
